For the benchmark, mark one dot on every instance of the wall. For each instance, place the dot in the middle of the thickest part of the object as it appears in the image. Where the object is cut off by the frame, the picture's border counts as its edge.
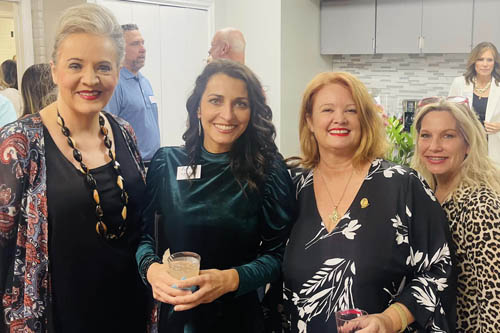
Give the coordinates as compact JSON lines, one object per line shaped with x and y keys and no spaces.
{"x":45,"y":15}
{"x":300,"y":62}
{"x":38,"y":28}
{"x":52,"y":9}
{"x":7,"y":41}
{"x":260,"y":22}
{"x":403,"y":76}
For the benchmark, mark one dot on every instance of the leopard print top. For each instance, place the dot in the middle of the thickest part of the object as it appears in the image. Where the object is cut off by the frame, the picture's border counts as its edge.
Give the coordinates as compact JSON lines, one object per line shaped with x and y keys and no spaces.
{"x":474,"y":215}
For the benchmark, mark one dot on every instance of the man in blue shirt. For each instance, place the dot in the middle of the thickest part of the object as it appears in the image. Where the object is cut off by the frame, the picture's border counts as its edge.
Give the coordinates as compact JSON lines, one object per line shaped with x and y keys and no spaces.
{"x":133,"y":99}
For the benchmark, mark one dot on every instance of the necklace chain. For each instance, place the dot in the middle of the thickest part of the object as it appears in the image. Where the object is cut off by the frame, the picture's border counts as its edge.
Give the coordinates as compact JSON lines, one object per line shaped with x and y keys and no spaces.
{"x":334,"y":216}
{"x":100,"y":227}
{"x":481,"y":90}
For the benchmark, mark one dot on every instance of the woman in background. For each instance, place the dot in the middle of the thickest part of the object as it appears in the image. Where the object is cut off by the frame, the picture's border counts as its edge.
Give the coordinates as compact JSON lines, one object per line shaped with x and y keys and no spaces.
{"x":8,"y":85}
{"x":451,"y":154}
{"x":72,"y":188}
{"x":225,"y":195}
{"x":480,"y":84}
{"x":369,"y":233}
{"x":37,"y":88}
{"x":9,"y":73}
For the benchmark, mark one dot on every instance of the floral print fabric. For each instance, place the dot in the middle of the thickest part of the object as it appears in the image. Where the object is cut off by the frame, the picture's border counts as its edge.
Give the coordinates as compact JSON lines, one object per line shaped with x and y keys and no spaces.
{"x":24,"y":273}
{"x":390,"y":246}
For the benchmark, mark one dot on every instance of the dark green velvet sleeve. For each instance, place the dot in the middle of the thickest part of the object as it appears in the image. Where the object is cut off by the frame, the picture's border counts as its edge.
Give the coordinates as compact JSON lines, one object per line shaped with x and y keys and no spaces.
{"x":145,"y":254}
{"x":276,"y":218}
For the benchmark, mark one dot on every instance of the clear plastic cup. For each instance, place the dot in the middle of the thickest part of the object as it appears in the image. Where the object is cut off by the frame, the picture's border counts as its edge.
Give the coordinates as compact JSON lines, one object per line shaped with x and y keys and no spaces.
{"x":345,"y":319}
{"x":183,"y":265}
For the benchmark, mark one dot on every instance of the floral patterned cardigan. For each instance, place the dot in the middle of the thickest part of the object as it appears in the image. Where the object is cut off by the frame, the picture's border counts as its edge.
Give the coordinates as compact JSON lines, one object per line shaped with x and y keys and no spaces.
{"x":25,"y":288}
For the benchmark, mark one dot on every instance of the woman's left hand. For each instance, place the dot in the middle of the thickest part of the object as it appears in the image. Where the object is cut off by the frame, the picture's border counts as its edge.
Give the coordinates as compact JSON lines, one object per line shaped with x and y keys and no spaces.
{"x":374,"y":323}
{"x":212,"y":283}
{"x":491,"y":128}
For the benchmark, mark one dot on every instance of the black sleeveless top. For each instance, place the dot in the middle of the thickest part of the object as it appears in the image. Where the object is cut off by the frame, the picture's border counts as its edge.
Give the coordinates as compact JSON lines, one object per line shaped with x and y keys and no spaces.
{"x":479,"y":106}
{"x":95,"y":283}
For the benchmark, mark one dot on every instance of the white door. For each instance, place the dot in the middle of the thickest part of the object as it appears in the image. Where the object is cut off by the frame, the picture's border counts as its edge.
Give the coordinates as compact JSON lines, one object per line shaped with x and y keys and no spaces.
{"x":184,"y":46}
{"x":176,"y":40}
{"x":7,"y":41}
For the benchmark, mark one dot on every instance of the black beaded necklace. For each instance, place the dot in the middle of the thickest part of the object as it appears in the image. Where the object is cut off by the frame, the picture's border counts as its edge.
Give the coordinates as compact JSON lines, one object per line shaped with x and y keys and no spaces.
{"x":100,"y":227}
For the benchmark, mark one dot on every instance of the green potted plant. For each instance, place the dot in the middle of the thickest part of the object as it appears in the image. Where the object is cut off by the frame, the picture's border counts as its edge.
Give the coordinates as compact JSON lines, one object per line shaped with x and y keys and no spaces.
{"x":402,"y":147}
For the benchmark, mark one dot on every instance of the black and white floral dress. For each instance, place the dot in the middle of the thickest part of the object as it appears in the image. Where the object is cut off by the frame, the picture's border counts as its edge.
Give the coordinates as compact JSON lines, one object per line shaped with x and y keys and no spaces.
{"x":392,"y":245}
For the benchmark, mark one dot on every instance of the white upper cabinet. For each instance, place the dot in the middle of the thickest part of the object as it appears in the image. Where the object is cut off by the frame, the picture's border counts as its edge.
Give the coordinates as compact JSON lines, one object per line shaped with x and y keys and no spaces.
{"x":447,"y":26}
{"x":399,"y":26}
{"x":486,"y":22}
{"x":348,"y":27}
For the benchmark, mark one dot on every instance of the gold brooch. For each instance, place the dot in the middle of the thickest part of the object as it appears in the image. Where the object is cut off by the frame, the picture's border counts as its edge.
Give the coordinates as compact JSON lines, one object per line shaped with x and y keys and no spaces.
{"x":364,"y":203}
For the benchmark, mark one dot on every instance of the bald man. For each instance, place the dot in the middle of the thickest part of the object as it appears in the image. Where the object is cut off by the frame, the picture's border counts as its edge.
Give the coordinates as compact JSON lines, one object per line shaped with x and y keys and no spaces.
{"x":228,"y":43}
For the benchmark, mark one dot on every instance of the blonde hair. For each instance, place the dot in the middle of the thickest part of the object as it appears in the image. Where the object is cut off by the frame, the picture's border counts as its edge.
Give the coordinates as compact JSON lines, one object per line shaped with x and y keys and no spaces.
{"x":477,"y":169}
{"x":91,"y":19}
{"x":373,"y":141}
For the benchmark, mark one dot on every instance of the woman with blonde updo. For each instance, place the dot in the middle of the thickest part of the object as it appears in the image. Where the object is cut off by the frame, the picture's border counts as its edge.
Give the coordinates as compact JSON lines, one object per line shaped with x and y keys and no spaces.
{"x":71,"y":189}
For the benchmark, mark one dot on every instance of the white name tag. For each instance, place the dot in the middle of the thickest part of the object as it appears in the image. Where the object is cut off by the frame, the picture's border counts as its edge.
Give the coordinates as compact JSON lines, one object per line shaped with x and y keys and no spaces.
{"x":185,"y":172}
{"x":152,"y":99}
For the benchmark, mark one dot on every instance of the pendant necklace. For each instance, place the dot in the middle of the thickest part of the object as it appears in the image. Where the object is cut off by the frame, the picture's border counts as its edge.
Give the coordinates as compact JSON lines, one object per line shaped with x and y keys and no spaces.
{"x":334,"y":216}
{"x":100,"y":227}
{"x":480,"y":90}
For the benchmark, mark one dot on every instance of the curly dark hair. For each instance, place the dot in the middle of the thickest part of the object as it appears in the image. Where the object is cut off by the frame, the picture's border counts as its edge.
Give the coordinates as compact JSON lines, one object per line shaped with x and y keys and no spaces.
{"x":253,"y":152}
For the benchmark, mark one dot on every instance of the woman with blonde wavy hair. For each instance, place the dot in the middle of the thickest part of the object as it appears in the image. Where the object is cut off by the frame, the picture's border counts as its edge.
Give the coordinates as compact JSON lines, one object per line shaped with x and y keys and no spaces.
{"x":369,"y":233}
{"x":452,"y":155}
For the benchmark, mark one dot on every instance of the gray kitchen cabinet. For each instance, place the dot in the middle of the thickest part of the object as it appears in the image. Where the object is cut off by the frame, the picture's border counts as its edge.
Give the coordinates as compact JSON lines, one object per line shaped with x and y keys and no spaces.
{"x":348,"y":27}
{"x":405,"y":26}
{"x":486,"y":22}
{"x":399,"y":26}
{"x":447,"y":26}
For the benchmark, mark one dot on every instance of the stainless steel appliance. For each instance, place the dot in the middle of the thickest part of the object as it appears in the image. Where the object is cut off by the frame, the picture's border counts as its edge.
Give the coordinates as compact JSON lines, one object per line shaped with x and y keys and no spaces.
{"x":409,"y":109}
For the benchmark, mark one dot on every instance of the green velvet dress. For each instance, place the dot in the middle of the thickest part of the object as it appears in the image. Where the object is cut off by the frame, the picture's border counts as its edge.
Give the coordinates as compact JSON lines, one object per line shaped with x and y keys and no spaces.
{"x":229,"y":225}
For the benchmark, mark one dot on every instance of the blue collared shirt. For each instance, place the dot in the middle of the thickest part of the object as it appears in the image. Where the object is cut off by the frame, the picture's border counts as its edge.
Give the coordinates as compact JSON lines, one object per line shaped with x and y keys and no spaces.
{"x":134,"y":101}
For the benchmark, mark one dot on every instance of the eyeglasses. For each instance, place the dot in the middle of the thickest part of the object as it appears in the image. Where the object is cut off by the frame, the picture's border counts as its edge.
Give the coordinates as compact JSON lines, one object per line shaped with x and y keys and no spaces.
{"x":437,"y":99}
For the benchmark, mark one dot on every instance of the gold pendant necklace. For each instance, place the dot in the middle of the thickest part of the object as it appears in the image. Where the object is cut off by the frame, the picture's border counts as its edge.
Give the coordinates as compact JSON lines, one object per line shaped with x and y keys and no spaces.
{"x":334,"y":216}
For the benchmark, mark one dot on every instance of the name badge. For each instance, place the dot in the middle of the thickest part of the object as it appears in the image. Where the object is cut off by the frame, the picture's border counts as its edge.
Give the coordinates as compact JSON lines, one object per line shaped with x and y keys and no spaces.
{"x":185,"y":172}
{"x":152,"y":99}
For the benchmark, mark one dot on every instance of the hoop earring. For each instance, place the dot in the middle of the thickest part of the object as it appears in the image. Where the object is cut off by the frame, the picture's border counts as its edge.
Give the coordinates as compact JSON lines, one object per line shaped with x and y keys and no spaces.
{"x":199,"y":127}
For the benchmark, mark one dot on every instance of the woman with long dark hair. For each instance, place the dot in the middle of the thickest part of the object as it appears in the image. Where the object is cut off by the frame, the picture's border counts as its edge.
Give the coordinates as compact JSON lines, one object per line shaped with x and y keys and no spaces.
{"x":226,"y":195}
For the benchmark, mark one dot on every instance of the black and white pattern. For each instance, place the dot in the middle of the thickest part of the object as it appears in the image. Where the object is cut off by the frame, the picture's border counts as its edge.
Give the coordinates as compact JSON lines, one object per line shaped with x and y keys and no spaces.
{"x":393,"y":249}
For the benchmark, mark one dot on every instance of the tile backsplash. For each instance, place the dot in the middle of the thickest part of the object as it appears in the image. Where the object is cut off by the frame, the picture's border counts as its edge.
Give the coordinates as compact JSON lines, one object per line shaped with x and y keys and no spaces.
{"x":395,"y":77}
